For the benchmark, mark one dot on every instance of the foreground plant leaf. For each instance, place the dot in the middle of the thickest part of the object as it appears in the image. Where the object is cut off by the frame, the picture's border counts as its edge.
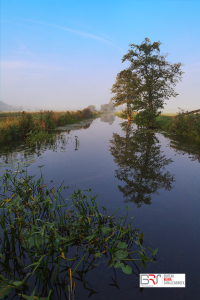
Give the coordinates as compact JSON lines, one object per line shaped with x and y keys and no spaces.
{"x":127,"y":269}
{"x":122,"y":245}
{"x":5,"y":289}
{"x":54,"y":232}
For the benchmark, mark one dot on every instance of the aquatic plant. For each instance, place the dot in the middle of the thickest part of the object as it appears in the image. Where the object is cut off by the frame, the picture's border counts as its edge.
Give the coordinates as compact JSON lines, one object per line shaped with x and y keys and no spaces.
{"x":45,"y":237}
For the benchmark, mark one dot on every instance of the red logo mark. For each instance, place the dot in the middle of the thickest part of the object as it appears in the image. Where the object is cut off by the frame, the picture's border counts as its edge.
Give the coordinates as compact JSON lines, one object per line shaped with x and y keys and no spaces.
{"x":153,"y":277}
{"x":167,"y":279}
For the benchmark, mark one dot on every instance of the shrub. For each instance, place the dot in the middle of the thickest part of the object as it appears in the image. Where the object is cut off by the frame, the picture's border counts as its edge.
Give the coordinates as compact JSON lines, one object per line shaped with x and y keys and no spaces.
{"x":87,"y":113}
{"x":146,"y":118}
{"x":187,"y":125}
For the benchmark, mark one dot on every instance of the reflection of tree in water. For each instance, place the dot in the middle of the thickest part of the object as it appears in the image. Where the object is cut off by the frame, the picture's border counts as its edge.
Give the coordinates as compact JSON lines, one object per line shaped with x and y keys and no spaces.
{"x":140,"y":164}
{"x":108,"y":118}
{"x":183,"y":145}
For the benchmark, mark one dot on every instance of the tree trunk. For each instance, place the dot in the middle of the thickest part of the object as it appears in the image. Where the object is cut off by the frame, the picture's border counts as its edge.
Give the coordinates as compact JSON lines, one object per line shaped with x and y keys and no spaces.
{"x":128,"y":114}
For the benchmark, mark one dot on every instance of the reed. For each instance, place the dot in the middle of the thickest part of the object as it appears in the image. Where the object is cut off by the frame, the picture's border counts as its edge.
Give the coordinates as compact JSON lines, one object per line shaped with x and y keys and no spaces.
{"x":19,"y":127}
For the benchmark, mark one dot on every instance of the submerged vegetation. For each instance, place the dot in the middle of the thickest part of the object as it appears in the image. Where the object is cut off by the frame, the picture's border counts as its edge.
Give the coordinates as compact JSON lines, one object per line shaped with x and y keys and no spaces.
{"x":46,"y":239}
{"x":27,"y":123}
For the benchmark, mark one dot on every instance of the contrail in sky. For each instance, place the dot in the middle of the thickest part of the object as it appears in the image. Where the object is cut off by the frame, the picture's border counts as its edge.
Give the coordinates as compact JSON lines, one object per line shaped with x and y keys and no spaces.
{"x":84,"y":34}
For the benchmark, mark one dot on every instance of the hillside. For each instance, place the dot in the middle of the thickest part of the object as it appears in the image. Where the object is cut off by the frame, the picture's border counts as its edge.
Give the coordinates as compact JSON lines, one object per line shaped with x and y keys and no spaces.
{"x":6,"y":107}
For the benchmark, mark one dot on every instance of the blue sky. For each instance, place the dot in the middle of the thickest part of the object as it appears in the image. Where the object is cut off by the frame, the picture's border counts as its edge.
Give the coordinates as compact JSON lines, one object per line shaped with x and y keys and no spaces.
{"x":59,"y":54}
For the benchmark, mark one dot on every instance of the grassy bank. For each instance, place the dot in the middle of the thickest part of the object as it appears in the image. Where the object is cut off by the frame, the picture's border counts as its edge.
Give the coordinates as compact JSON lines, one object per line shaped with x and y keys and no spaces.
{"x":181,"y":124}
{"x":4,"y":114}
{"x":13,"y":127}
{"x":164,"y":122}
{"x":123,"y":115}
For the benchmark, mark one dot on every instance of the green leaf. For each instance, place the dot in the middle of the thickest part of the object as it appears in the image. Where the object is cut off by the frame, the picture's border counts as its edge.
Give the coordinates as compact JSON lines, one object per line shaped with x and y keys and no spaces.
{"x":118,"y":264}
{"x":122,"y":245}
{"x":17,"y":283}
{"x":127,"y":207}
{"x":155,"y":251}
{"x":105,"y":230}
{"x":137,"y":242}
{"x":141,"y":236}
{"x":31,"y":297}
{"x":98,"y":254}
{"x":127,"y":269}
{"x":144,"y":258}
{"x":5,"y":289}
{"x":120,"y":255}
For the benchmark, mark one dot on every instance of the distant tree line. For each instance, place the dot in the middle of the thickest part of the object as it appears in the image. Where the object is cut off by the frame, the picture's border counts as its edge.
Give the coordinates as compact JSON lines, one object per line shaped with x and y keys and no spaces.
{"x":104,"y":107}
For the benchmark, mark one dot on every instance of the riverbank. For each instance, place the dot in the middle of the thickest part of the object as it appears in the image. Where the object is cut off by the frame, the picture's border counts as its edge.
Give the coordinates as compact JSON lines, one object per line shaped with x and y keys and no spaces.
{"x":181,"y":124}
{"x":12,"y":128}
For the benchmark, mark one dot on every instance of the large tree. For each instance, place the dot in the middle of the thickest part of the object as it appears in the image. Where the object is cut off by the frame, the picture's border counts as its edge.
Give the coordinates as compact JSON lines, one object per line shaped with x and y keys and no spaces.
{"x":157,"y":79}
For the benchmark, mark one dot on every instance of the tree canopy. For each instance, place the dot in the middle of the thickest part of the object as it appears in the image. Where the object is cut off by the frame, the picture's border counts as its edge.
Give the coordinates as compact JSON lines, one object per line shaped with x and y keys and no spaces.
{"x":126,"y":91}
{"x":107,"y":107}
{"x":92,"y":107}
{"x":147,"y":82}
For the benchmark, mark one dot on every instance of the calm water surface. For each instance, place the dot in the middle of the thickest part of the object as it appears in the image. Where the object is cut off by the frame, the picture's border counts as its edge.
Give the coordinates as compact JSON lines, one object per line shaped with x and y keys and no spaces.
{"x":156,"y":175}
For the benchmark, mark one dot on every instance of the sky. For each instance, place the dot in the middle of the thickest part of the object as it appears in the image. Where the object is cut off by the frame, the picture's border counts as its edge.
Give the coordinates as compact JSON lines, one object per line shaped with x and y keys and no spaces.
{"x":60,"y":54}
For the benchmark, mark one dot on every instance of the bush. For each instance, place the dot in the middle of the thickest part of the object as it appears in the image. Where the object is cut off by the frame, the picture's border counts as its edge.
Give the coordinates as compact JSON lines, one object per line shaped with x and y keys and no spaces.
{"x":87,"y":113}
{"x":26,"y":123}
{"x":146,"y":119}
{"x":187,"y":125}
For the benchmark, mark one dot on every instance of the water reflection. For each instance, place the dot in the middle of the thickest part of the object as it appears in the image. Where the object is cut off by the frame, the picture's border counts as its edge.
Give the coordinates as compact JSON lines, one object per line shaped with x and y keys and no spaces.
{"x":23,"y":153}
{"x":141,"y":164}
{"x":108,"y":118}
{"x":184,"y":146}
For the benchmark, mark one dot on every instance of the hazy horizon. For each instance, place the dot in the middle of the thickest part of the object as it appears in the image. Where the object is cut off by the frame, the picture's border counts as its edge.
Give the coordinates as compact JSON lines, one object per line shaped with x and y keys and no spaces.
{"x":66,"y":55}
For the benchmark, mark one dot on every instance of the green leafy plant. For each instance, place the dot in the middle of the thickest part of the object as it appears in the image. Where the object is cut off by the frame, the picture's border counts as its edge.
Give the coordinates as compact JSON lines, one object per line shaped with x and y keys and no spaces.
{"x":45,"y":235}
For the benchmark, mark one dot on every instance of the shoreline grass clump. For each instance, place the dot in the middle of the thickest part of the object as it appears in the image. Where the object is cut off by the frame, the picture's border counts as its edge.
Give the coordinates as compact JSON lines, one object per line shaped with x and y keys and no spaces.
{"x":46,"y":239}
{"x":186,"y":125}
{"x":19,"y":127}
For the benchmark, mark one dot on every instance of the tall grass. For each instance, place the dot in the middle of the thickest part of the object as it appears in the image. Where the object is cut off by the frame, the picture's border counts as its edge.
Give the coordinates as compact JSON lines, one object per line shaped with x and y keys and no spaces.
{"x":18,"y":127}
